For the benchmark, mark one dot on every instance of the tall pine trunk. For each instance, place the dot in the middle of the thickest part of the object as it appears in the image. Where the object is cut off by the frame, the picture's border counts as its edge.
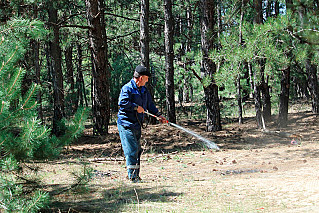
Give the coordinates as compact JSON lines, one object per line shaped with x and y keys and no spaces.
{"x":100,"y":72}
{"x":313,"y":84}
{"x":241,"y":42}
{"x":285,"y":84}
{"x":70,"y":77}
{"x":284,"y":97}
{"x":145,"y":46}
{"x":36,"y":50}
{"x":264,"y":87}
{"x":256,"y":95}
{"x":208,"y":41}
{"x":56,"y":72}
{"x":169,"y":57}
{"x":144,"y":36}
{"x":265,"y":102}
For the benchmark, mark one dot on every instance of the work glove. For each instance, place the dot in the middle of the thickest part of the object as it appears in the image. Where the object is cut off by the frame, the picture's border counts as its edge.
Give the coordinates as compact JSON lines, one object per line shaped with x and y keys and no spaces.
{"x":162,"y":119}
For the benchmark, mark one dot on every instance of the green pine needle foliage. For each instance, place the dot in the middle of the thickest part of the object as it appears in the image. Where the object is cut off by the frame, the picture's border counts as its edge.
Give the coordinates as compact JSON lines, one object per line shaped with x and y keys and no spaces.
{"x":22,"y":135}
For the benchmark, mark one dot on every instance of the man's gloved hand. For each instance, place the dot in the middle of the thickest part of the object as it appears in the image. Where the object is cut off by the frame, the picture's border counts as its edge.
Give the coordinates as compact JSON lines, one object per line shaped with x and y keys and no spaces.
{"x":163,"y":119}
{"x":140,"y":109}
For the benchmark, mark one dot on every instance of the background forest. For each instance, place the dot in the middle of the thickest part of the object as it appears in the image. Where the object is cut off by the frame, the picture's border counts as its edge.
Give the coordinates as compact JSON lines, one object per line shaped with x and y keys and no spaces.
{"x":63,"y":63}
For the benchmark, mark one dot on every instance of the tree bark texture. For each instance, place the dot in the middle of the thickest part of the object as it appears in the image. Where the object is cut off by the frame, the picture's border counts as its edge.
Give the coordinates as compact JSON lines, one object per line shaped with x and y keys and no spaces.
{"x":265,"y":104}
{"x":36,"y":57}
{"x":256,"y":96}
{"x":56,"y":72}
{"x":284,"y":98}
{"x":169,"y":57}
{"x":258,"y":18}
{"x":70,"y":76}
{"x":239,"y":100}
{"x":208,"y":42}
{"x":264,"y":88}
{"x":145,"y":47}
{"x":100,"y":72}
{"x":144,"y":34}
{"x":313,"y":84}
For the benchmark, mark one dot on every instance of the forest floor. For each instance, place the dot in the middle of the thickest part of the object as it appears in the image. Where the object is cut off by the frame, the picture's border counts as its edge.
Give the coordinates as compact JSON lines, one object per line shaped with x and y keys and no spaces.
{"x":253,"y":171}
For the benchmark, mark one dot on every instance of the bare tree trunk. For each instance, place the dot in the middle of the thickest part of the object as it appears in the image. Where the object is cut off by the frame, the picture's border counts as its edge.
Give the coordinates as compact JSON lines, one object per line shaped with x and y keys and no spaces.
{"x":144,"y":36}
{"x":57,"y":75}
{"x":145,"y":47}
{"x":79,"y":78}
{"x":70,"y":76}
{"x":241,"y":42}
{"x":276,"y":8}
{"x":256,"y":96}
{"x":266,"y":102}
{"x":37,"y":78}
{"x":285,"y":84}
{"x":100,"y":73}
{"x":208,"y":40}
{"x":284,"y":98}
{"x":313,"y":84}
{"x":239,"y":102}
{"x":258,"y":18}
{"x":169,"y":57}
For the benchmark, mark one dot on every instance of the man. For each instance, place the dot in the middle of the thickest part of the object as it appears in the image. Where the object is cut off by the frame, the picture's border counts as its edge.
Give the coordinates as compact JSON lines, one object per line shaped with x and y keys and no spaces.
{"x":133,"y":101}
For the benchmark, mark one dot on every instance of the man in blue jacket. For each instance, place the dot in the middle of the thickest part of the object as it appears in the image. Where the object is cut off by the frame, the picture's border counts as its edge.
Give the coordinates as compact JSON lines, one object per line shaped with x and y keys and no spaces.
{"x":133,"y":101}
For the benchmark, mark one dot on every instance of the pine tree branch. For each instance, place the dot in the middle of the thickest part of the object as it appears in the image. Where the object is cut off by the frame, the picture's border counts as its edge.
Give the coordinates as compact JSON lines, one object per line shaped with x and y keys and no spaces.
{"x":183,"y":65}
{"x":4,"y":64}
{"x":76,"y":26}
{"x":15,"y":81}
{"x":130,"y":19}
{"x":35,"y":103}
{"x":2,"y":107}
{"x":2,"y":205}
{"x":31,"y":93}
{"x":45,"y":130}
{"x":3,"y":141}
{"x":300,"y":38}
{"x":34,"y":203}
{"x":121,"y":36}
{"x":2,"y":40}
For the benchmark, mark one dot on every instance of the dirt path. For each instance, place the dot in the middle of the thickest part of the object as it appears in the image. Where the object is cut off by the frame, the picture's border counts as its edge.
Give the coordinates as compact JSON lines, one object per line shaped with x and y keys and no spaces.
{"x":253,"y":172}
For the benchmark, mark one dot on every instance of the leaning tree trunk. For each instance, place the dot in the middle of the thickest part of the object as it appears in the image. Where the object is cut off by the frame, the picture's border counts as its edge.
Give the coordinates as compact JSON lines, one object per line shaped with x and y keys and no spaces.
{"x":208,"y":40}
{"x":100,"y":73}
{"x":56,"y":72}
{"x":169,"y":57}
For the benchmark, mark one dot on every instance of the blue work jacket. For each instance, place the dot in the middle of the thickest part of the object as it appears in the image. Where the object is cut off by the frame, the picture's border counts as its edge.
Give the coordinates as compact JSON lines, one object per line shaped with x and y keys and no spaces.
{"x":130,"y":98}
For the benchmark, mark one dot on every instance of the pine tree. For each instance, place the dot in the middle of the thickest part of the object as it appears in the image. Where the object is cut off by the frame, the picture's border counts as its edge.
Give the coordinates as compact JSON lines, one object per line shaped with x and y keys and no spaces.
{"x":22,"y":136}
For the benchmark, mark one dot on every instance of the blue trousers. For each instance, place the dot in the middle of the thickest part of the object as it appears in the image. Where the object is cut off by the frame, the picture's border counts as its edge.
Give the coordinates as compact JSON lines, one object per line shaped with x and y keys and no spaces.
{"x":130,"y":139}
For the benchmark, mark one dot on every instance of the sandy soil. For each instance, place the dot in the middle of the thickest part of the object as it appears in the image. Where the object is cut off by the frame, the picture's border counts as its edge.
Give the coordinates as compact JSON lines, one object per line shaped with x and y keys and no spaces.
{"x":253,"y":171}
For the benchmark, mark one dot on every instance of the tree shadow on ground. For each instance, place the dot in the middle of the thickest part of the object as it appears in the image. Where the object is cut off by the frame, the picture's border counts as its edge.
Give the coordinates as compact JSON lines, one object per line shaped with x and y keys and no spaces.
{"x":159,"y":139}
{"x":114,"y":199}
